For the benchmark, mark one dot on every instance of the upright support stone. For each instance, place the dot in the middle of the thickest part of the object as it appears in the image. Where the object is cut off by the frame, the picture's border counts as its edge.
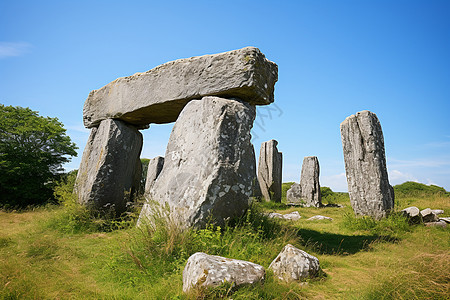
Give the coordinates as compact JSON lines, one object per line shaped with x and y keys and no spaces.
{"x":365,"y":165}
{"x":155,"y":166}
{"x":110,"y":169}
{"x":309,"y":182}
{"x":209,"y":164}
{"x":270,"y":171}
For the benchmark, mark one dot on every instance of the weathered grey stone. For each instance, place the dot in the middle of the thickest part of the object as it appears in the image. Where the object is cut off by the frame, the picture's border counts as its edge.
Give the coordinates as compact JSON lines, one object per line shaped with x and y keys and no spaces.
{"x":293,"y":216}
{"x":365,"y":165}
{"x":275,"y":215}
{"x":270,"y":171}
{"x":428,"y":215}
{"x":413,"y":214}
{"x":446,"y":219}
{"x":294,"y":264}
{"x":159,"y":95}
{"x":256,"y":188}
{"x":110,"y":168}
{"x":309,"y":182}
{"x":437,"y":211}
{"x":209,"y":164}
{"x":442,"y":224}
{"x":155,"y":166}
{"x":294,"y":195}
{"x":203,"y":270}
{"x":307,"y":193}
{"x":319,"y":217}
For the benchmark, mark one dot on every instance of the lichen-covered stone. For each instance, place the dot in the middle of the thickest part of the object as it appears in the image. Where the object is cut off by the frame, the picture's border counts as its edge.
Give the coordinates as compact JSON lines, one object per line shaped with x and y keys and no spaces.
{"x":159,"y":95}
{"x":209,"y":164}
{"x":365,"y":165}
{"x":293,"y":264}
{"x":270,"y":171}
{"x":155,"y":166}
{"x":294,"y":195}
{"x":203,"y":270}
{"x":110,"y":168}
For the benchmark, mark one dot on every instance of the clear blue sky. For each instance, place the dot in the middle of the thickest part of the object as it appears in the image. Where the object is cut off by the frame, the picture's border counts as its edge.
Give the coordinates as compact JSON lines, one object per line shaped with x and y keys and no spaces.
{"x":335,"y":58}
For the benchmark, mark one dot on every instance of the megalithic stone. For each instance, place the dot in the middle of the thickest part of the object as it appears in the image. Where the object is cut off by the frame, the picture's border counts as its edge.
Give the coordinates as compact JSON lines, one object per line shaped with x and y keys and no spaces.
{"x":365,"y":165}
{"x":110,"y":168}
{"x":209,"y":164}
{"x":270,"y":171}
{"x":309,"y":182}
{"x":159,"y":95}
{"x":155,"y":166}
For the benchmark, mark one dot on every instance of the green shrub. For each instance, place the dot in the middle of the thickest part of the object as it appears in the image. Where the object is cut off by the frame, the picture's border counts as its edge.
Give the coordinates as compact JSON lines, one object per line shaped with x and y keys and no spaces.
{"x":330,"y":197}
{"x":393,"y":225}
{"x":161,"y":246}
{"x":76,"y":218}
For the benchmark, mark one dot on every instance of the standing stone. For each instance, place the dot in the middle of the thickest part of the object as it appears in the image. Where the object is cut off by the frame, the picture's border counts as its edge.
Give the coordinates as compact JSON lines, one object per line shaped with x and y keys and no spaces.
{"x":307,"y":193}
{"x":309,"y":182}
{"x":110,"y":168}
{"x":365,"y":165}
{"x":159,"y":95}
{"x":155,"y":166}
{"x":209,"y":164}
{"x":203,"y":270}
{"x":270,"y":170}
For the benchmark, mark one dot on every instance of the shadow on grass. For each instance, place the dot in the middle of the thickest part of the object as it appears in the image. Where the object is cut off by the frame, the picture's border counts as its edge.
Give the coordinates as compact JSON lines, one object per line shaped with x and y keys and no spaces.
{"x":339,"y":244}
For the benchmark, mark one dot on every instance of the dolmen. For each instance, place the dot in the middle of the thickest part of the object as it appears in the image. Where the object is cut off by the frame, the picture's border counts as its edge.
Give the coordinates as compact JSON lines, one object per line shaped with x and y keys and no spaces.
{"x":365,"y":165}
{"x":209,"y":166}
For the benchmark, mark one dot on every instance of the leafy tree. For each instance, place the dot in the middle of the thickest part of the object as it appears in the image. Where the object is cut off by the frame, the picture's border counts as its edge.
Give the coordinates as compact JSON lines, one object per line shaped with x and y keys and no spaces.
{"x":32,"y":151}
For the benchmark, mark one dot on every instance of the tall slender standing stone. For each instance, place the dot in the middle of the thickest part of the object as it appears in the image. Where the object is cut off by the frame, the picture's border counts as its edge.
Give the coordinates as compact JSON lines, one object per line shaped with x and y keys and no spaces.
{"x":270,"y":170}
{"x":155,"y":166}
{"x":365,"y":165}
{"x":307,"y":193}
{"x":110,"y":168}
{"x":309,"y":182}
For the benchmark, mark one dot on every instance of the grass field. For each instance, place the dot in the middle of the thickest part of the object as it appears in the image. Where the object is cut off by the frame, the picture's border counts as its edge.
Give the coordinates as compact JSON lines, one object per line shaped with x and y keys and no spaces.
{"x":44,"y":254}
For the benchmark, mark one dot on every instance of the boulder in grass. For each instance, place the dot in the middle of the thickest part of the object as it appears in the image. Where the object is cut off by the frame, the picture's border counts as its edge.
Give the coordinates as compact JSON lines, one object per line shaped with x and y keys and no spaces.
{"x":437,"y":212}
{"x":293,"y":264}
{"x":293,"y":216}
{"x":203,"y":270}
{"x":446,"y":220}
{"x":439,"y":223}
{"x":413,"y":214}
{"x":428,"y":215}
{"x":319,"y":217}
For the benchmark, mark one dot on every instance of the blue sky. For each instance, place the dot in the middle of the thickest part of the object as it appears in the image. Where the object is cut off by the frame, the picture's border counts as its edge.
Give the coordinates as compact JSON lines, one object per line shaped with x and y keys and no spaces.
{"x":335,"y":58}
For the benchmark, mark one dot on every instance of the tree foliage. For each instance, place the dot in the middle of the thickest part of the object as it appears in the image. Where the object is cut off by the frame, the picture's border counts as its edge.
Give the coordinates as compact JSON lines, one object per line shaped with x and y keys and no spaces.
{"x":32,"y":151}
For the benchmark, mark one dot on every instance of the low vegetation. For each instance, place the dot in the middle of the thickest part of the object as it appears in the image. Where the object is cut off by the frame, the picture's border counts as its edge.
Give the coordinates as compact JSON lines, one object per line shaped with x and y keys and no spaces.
{"x":63,"y":251}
